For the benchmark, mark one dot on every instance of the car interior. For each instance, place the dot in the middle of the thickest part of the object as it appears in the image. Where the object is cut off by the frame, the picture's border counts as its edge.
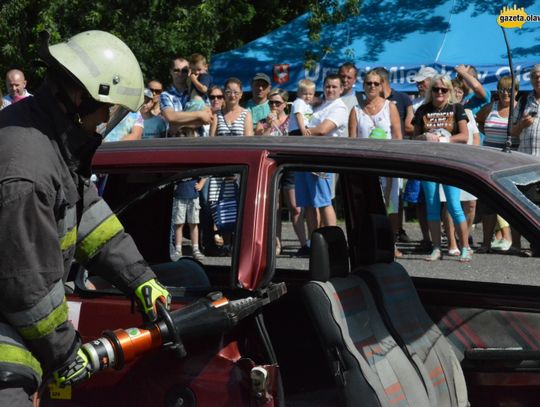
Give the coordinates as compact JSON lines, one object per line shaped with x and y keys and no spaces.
{"x":387,"y":337}
{"x":355,"y":326}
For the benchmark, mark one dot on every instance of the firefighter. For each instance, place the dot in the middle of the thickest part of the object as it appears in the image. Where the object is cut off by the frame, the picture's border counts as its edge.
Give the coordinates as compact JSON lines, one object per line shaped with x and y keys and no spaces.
{"x":51,"y":214}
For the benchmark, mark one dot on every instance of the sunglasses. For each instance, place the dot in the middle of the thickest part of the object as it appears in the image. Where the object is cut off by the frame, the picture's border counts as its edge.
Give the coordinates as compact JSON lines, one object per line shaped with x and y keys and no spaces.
{"x":232,"y":93}
{"x":156,"y":91}
{"x":212,"y":97}
{"x":275,"y":103}
{"x":505,"y":90}
{"x":375,"y":84}
{"x":436,"y":89}
{"x":183,"y":70}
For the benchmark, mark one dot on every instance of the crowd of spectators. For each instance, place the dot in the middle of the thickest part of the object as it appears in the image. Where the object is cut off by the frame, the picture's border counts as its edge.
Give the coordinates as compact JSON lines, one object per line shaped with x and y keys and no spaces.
{"x":456,"y":110}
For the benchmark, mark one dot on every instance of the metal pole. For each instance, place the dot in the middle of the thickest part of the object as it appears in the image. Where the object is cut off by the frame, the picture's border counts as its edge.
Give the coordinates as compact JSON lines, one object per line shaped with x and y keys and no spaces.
{"x":508,"y":144}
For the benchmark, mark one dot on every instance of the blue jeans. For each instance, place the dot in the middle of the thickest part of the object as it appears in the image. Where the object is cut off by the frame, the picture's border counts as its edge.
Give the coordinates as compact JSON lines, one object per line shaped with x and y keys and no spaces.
{"x":433,"y":202}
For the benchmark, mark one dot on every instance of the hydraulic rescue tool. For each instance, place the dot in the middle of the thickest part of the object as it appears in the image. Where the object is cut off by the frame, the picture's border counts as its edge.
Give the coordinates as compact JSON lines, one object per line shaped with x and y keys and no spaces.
{"x":209,"y":315}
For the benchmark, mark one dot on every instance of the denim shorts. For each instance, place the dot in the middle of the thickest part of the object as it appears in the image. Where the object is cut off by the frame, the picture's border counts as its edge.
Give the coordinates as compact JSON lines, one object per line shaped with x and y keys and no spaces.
{"x":313,"y":190}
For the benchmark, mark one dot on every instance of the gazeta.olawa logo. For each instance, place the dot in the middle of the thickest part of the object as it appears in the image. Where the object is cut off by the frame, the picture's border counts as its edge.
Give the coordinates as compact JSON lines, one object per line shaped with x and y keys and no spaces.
{"x":515,"y":17}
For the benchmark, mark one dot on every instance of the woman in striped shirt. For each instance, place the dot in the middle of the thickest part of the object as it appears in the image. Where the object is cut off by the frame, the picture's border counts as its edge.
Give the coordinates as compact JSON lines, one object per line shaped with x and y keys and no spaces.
{"x":493,"y":118}
{"x":493,"y":121}
{"x":233,"y":119}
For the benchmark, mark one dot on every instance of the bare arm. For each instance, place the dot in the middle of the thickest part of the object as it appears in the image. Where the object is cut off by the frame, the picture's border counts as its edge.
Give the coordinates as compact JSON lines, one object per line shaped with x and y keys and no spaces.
{"x":248,"y":125}
{"x":482,"y":115}
{"x":409,"y":128}
{"x":198,"y":85}
{"x":213,"y":126}
{"x":136,"y":134}
{"x":187,"y":119}
{"x":395,"y":123}
{"x":476,"y":139}
{"x":418,"y":134}
{"x":463,"y":135}
{"x":472,"y":81}
{"x":353,"y":124}
{"x":324,"y":128}
{"x":522,"y":124}
{"x":301,"y":125}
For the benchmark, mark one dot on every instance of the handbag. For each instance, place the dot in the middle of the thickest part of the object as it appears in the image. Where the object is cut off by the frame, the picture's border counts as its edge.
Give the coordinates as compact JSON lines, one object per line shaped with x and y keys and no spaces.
{"x":225,"y":209}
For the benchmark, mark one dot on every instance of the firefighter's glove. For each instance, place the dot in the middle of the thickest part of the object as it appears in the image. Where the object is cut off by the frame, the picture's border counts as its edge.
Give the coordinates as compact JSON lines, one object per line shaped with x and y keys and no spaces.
{"x":77,"y":371}
{"x":147,"y":294}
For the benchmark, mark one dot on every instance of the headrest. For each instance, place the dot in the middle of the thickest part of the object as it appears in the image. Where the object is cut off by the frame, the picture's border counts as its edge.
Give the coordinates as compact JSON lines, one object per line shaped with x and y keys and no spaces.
{"x":329,"y":254}
{"x":376,"y":240}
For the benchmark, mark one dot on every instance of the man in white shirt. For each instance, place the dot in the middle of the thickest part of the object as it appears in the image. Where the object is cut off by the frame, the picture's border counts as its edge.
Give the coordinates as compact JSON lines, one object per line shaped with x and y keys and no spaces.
{"x":349,"y":75}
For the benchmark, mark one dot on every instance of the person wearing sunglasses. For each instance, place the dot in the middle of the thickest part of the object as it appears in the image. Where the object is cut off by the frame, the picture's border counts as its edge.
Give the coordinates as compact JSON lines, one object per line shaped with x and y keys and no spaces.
{"x":277,"y":121}
{"x":155,"y":125}
{"x":232,"y":119}
{"x":377,"y":117}
{"x":277,"y":124}
{"x":440,"y":119}
{"x":216,"y":98}
{"x":174,"y":100}
{"x":493,"y":121}
{"x":468,"y":200}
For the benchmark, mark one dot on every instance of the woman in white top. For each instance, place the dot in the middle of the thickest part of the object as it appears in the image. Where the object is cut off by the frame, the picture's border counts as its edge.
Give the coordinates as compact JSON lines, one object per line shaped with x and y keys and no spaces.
{"x":378,"y":118}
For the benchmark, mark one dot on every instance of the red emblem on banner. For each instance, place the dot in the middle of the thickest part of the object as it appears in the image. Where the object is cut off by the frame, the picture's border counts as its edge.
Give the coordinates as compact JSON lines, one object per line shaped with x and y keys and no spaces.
{"x":281,"y":73}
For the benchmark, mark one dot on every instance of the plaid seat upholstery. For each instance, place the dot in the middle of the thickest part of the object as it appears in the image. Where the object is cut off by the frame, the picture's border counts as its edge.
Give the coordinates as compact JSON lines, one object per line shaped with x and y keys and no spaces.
{"x":369,"y":366}
{"x":408,"y":321}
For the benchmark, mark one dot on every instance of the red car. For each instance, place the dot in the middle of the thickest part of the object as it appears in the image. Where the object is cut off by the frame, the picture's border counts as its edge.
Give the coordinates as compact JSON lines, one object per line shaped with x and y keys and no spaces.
{"x":347,"y":326}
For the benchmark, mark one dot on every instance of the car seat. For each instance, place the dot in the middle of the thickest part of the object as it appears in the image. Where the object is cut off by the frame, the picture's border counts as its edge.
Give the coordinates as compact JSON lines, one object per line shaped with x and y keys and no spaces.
{"x":406,"y":317}
{"x":366,"y":362}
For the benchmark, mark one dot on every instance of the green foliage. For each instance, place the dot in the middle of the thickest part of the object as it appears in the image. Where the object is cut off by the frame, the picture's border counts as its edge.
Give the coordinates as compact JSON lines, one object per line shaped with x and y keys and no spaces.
{"x":155,"y":30}
{"x":327,"y":12}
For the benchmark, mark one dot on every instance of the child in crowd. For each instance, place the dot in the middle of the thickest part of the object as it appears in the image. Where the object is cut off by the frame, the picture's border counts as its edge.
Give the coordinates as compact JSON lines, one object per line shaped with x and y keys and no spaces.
{"x":186,"y":210}
{"x":302,"y":109}
{"x":198,"y":83}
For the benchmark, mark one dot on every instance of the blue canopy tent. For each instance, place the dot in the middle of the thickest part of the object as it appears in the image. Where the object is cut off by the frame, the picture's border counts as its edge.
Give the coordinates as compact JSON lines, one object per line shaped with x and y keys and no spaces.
{"x":401,"y":35}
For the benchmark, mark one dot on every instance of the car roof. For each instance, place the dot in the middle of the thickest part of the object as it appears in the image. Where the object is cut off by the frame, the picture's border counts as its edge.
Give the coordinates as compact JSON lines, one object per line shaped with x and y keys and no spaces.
{"x":472,"y":158}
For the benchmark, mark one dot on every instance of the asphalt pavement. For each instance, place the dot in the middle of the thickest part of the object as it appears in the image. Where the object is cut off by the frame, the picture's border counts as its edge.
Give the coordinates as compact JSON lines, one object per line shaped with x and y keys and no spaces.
{"x":489,"y":267}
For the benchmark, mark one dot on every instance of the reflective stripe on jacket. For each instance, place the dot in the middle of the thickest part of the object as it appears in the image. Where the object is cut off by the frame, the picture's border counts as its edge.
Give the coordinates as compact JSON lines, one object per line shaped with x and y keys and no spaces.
{"x":44,"y":169}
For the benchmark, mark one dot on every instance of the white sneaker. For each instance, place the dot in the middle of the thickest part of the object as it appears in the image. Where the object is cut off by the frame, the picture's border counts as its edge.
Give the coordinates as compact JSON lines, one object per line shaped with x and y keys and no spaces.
{"x":502,"y":245}
{"x":197,"y":255}
{"x":176,"y":255}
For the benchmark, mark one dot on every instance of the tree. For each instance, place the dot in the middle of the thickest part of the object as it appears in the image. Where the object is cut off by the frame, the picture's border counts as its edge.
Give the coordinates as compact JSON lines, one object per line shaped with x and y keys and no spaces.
{"x":156,"y":30}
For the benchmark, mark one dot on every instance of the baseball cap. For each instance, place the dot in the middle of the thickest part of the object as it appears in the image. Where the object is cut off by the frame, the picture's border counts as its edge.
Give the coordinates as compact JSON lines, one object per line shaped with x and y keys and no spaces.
{"x":148,"y":93}
{"x":424,"y":73}
{"x":261,"y":76}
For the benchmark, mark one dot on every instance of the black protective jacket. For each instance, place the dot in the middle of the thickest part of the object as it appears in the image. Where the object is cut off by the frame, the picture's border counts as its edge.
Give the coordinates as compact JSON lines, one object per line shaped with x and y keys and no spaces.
{"x":50,"y":213}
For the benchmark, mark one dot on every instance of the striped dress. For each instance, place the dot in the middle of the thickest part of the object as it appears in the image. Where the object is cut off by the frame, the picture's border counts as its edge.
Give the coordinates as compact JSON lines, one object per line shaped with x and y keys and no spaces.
{"x":495,"y":130}
{"x":235,"y":128}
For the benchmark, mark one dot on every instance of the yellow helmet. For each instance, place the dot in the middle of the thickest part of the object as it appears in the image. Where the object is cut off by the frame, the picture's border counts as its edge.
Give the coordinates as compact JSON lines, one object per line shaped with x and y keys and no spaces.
{"x":103,"y":64}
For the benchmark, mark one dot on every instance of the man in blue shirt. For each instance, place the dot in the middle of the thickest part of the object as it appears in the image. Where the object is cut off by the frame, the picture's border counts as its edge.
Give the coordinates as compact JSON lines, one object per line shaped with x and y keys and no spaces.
{"x":174,"y":99}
